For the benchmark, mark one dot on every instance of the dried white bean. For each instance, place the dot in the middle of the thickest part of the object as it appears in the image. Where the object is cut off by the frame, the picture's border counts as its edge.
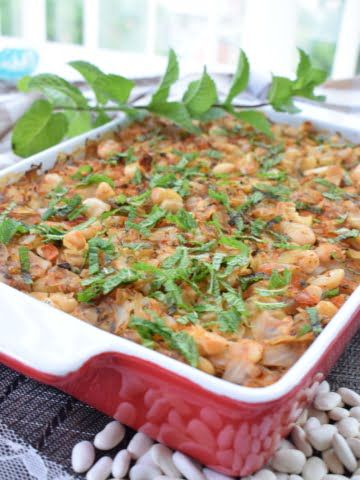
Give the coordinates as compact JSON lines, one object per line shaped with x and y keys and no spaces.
{"x":349,"y":397}
{"x":321,"y":438}
{"x":121,"y":464}
{"x":327,"y":401}
{"x":162,"y":457}
{"x":187,"y":467}
{"x":281,"y":476}
{"x":355,"y":412}
{"x":344,"y":452}
{"x":212,"y":475}
{"x":146,"y":459}
{"x":143,"y":472}
{"x":295,"y":477}
{"x":324,"y":387}
{"x":285,"y":444}
{"x":319,"y":414}
{"x":264,"y":474}
{"x":289,"y":461}
{"x":311,"y":423}
{"x":110,"y":436}
{"x":348,"y":427}
{"x":82,"y":456}
{"x":338,"y":413}
{"x":332,"y":476}
{"x":314,"y":469}
{"x":139,"y":445}
{"x":166,"y":477}
{"x":303,"y":417}
{"x":355,"y":477}
{"x":354,"y":444}
{"x":101,"y":470}
{"x":332,"y":461}
{"x":298,"y":437}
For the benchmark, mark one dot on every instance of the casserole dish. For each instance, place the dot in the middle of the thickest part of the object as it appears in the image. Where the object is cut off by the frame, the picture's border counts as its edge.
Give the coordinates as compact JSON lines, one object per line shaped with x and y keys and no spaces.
{"x":230,"y":428}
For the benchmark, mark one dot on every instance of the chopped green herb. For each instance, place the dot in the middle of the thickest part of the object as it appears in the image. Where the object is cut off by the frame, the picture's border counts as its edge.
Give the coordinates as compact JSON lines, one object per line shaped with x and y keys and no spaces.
{"x":213,"y":154}
{"x":96,"y":245}
{"x":221,"y":197}
{"x":248,"y":280}
{"x":344,"y":234}
{"x":25,"y":264}
{"x":82,"y":172}
{"x":314,"y":318}
{"x":330,"y":293}
{"x":270,"y":306}
{"x":182,"y":219}
{"x":9,"y":227}
{"x":95,"y":178}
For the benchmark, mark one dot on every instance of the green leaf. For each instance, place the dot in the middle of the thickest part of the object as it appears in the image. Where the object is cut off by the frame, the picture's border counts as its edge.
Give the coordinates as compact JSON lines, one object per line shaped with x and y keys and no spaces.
{"x":9,"y":228}
{"x":308,"y":78}
{"x":186,"y":345}
{"x":280,"y":95}
{"x":57,"y":90}
{"x":90,"y":73}
{"x":176,"y":112}
{"x":170,"y":77}
{"x":315,"y":321}
{"x":200,"y":95}
{"x":96,"y":178}
{"x":279,"y":279}
{"x":183,"y":219}
{"x":79,"y":122}
{"x":39,"y":128}
{"x":235,"y":300}
{"x":256,"y":119}
{"x":23,"y":84}
{"x":114,"y":87}
{"x":101,"y":119}
{"x":229,"y":321}
{"x":240,"y":80}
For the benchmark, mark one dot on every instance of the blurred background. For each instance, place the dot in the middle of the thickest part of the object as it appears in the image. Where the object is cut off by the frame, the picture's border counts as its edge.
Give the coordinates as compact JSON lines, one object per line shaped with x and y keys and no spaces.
{"x":133,"y":36}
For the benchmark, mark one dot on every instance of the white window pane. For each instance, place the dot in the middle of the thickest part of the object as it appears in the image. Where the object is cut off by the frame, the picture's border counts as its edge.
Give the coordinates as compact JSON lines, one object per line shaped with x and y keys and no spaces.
{"x":64,"y":21}
{"x":318,"y":29}
{"x":9,"y":17}
{"x":123,"y":24}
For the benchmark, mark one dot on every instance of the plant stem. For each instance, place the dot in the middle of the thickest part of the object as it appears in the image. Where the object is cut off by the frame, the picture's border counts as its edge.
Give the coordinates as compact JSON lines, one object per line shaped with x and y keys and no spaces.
{"x":97,"y":108}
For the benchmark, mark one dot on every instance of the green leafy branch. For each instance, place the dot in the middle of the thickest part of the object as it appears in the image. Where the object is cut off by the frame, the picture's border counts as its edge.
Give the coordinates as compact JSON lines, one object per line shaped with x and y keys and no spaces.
{"x":65,"y":112}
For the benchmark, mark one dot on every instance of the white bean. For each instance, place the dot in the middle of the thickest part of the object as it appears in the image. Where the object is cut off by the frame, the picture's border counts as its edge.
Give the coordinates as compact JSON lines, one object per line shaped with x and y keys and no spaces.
{"x":354,"y":444}
{"x":349,"y":397}
{"x":82,"y":456}
{"x":212,"y":475}
{"x":295,"y":477}
{"x":285,"y":444}
{"x":110,"y":436}
{"x":187,"y":467}
{"x":143,"y":472}
{"x":101,"y":470}
{"x":146,"y":459}
{"x":264,"y":474}
{"x":288,"y":461}
{"x":324,"y":387}
{"x":348,"y":427}
{"x":311,"y":423}
{"x":344,"y":452}
{"x":303,"y":417}
{"x":327,"y":401}
{"x":314,"y":469}
{"x":332,"y":461}
{"x":166,"y":477}
{"x":139,"y":445}
{"x":319,"y":414}
{"x":355,"y":412}
{"x":283,"y":476}
{"x":338,"y":413}
{"x":331,"y":476}
{"x":162,"y":457}
{"x":121,"y":464}
{"x":298,"y":437}
{"x":321,"y":438}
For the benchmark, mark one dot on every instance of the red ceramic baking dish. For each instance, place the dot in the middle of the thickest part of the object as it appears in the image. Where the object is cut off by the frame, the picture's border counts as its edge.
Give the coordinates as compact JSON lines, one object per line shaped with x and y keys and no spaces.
{"x":230,"y":428}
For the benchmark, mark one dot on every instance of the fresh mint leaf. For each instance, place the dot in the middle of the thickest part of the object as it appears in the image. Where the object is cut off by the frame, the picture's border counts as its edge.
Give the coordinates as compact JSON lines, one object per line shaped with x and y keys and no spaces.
{"x":58,"y":90}
{"x":79,"y":122}
{"x":256,"y":119}
{"x":280,"y":95}
{"x":200,"y":95}
{"x":38,"y":129}
{"x":183,"y":219}
{"x":185,"y":344}
{"x":114,"y":87}
{"x":307,"y":78}
{"x":176,"y":112}
{"x":171,"y":75}
{"x":97,"y":245}
{"x":241,"y":78}
{"x":9,"y":227}
{"x":279,"y":279}
{"x":90,"y":73}
{"x":315,"y":321}
{"x":94,"y":179}
{"x":24,"y":260}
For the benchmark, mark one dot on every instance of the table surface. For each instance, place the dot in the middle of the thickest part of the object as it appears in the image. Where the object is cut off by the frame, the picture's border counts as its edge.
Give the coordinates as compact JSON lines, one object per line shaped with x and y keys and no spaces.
{"x":54,"y":422}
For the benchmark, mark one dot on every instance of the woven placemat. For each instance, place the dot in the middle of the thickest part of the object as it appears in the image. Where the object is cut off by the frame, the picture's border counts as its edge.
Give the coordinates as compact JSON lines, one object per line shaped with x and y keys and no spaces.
{"x":53,"y":422}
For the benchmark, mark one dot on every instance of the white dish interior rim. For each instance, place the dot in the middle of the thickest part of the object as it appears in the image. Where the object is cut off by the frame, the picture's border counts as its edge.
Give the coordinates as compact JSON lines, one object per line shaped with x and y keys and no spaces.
{"x":72,"y":342}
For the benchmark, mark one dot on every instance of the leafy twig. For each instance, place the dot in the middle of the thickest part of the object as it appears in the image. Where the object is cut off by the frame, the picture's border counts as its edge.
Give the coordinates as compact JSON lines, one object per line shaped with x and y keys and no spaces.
{"x":65,"y":112}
